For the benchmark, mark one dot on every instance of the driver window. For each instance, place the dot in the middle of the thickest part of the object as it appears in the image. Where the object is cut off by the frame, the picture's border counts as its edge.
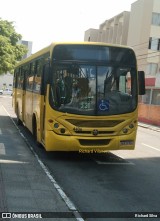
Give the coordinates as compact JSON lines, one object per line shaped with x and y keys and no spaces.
{"x":125,"y":83}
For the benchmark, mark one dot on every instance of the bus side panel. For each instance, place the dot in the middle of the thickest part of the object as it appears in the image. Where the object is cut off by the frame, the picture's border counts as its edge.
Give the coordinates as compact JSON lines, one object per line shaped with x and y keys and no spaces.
{"x":28,"y":111}
{"x":19,"y":102}
{"x":14,"y":98}
{"x":14,"y":93}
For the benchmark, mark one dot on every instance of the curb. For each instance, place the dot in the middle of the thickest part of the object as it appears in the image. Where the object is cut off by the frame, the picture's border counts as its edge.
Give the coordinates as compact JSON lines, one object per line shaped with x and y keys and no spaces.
{"x":150,"y":127}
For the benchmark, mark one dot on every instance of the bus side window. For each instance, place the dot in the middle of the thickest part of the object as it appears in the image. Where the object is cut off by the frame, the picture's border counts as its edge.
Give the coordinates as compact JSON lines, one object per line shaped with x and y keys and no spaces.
{"x":15,"y":79}
{"x":122,"y":84}
{"x":22,"y":74}
{"x":30,"y":77}
{"x":25,"y":73}
{"x":20,"y":78}
{"x":38,"y":76}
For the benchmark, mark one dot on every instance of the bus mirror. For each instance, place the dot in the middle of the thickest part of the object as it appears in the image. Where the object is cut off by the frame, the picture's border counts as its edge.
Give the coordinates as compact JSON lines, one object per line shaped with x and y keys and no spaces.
{"x":141,"y":82}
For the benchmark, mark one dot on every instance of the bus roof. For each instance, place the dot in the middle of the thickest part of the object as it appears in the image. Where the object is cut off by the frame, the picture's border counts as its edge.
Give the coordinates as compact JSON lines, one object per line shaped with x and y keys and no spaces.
{"x":49,"y":49}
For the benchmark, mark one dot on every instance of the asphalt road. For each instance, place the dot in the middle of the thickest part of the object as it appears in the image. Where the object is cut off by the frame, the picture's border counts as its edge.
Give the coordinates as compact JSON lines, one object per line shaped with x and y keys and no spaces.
{"x":121,"y":181}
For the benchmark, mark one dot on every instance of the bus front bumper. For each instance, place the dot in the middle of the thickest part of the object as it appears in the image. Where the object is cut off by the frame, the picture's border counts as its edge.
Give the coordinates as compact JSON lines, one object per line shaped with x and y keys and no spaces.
{"x":55,"y":142}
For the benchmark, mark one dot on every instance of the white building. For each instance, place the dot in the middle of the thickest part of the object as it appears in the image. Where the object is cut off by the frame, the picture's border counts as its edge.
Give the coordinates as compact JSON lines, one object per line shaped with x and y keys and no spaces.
{"x":114,"y":30}
{"x":139,"y":28}
{"x":144,"y":34}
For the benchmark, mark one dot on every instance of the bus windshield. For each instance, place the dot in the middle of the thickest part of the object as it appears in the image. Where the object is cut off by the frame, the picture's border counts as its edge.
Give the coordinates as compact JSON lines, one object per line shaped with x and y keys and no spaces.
{"x":104,"y":83}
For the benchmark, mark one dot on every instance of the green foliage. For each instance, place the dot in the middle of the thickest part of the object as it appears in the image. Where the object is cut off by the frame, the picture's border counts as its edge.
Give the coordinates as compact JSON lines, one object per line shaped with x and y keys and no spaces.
{"x":10,"y":51}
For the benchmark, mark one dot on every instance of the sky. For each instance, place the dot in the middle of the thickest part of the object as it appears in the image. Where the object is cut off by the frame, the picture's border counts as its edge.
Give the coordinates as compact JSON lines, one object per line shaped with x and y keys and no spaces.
{"x":46,"y":21}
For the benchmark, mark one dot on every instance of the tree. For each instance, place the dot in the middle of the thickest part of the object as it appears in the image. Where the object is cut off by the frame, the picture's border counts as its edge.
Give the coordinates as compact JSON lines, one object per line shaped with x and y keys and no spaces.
{"x":10,"y":51}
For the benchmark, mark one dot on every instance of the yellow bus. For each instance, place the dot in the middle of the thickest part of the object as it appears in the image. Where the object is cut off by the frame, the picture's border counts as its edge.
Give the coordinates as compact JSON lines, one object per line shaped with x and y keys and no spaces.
{"x":79,"y":96}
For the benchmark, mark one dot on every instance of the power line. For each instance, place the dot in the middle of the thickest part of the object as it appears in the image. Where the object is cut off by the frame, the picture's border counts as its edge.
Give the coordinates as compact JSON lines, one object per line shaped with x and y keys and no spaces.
{"x":144,"y":42}
{"x":149,"y":54}
{"x":148,"y":57}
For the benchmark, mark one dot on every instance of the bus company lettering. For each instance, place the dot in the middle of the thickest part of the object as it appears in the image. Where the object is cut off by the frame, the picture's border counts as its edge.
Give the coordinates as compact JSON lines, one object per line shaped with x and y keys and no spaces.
{"x":91,"y":151}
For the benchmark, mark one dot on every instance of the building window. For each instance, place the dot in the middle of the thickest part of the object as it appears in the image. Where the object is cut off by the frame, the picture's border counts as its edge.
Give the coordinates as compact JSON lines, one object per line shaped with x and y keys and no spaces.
{"x":151,"y":69}
{"x":154,"y":44}
{"x":156,"y":19}
{"x":156,"y":97}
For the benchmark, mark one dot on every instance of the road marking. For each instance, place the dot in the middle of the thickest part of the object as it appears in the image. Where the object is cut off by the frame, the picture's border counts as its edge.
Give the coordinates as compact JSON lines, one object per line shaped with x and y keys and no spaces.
{"x":12,"y":161}
{"x":0,"y":131}
{"x":63,"y":195}
{"x":150,"y":147}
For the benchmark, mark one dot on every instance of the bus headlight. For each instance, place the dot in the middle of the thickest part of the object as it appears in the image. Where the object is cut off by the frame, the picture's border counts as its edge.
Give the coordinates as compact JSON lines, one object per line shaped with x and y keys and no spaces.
{"x":131,"y":126}
{"x":128,"y":128}
{"x":125,"y":130}
{"x":60,"y":129}
{"x":56,"y":125}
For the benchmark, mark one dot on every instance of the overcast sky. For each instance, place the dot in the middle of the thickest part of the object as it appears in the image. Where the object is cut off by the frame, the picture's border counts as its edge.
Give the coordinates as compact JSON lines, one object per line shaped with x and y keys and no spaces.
{"x":45,"y":21}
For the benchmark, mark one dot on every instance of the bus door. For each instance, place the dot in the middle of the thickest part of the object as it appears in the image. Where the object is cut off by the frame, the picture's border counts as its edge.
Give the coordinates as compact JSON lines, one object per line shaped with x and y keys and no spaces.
{"x":19,"y":98}
{"x":45,"y":75}
{"x":23,"y":97}
{"x":14,"y":93}
{"x":28,"y":95}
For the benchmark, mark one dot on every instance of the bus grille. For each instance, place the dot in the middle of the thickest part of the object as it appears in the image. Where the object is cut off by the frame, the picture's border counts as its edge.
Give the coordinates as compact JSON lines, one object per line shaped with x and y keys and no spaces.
{"x":94,"y":123}
{"x":99,"y":132}
{"x":94,"y":142}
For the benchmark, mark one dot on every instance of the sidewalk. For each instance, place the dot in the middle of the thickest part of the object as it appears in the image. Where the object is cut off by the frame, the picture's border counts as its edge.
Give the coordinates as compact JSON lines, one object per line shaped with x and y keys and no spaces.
{"x":24,"y":186}
{"x":149,"y":126}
